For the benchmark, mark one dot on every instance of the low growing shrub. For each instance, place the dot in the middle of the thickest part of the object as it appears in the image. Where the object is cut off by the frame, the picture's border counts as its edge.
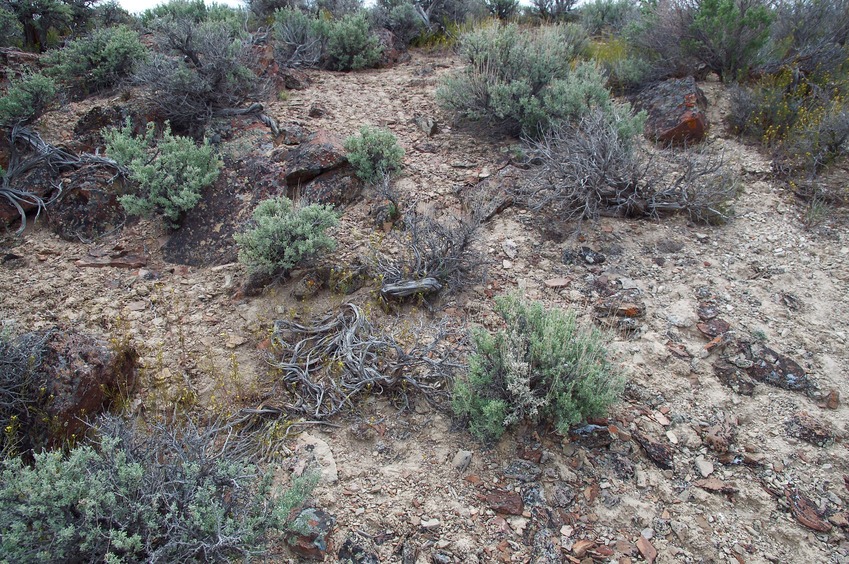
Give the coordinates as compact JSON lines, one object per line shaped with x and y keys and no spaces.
{"x":141,"y":495}
{"x":26,"y":99}
{"x":542,"y":366}
{"x":202,"y":70}
{"x":282,"y":236}
{"x":374,"y":154}
{"x":168,"y":173}
{"x":524,"y":81}
{"x":405,"y":23}
{"x":97,"y":61}
{"x":349,"y":43}
{"x":298,"y":41}
{"x":607,"y":16}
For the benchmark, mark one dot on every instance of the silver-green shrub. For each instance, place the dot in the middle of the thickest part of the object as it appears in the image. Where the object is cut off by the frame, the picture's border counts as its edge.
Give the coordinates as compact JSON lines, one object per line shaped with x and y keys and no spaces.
{"x":98,"y":60}
{"x":26,"y":99}
{"x":350,"y":43}
{"x":160,"y":494}
{"x":524,"y":81}
{"x":167,"y":174}
{"x":282,"y":235}
{"x":374,"y":154}
{"x":542,"y":366}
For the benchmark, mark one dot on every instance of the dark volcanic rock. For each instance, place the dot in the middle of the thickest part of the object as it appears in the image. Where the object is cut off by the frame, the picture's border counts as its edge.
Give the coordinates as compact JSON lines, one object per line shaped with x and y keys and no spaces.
{"x":338,"y":187}
{"x":88,"y":207}
{"x":311,"y":529}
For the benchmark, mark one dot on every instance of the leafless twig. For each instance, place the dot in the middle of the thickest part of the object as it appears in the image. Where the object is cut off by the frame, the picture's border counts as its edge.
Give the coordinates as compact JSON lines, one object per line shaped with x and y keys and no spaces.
{"x":326,"y":365}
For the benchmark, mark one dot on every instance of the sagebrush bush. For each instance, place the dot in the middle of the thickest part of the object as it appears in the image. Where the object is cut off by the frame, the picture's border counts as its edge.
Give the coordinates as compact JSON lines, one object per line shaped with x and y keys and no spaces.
{"x":405,"y":23}
{"x":591,"y":167}
{"x":542,"y":366}
{"x":298,"y":41}
{"x":202,"y":69}
{"x":522,"y":81}
{"x":349,"y":43}
{"x":375,"y":153}
{"x":167,"y":174}
{"x":502,"y":9}
{"x":141,"y":495}
{"x":98,"y":60}
{"x":26,"y":99}
{"x":607,"y":16}
{"x":282,"y":235}
{"x":626,"y":71}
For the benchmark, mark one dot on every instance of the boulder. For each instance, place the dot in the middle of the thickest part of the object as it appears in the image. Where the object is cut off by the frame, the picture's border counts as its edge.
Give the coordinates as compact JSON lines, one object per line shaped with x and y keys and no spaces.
{"x":294,"y":79}
{"x":338,"y":187}
{"x":39,"y":182}
{"x":83,"y":377}
{"x":88,"y":208}
{"x":676,"y":112}
{"x":321,"y":152}
{"x":393,"y":51}
{"x":88,"y":131}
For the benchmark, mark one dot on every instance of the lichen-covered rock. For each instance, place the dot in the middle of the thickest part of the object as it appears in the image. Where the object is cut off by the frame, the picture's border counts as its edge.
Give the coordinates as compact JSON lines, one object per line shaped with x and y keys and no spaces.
{"x":88,"y":207}
{"x":337,"y":187}
{"x":311,"y":528}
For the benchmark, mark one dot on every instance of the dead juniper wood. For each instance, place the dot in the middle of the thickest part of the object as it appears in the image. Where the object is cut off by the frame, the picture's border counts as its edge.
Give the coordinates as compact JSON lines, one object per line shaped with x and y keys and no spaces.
{"x":27,"y":152}
{"x":434,"y":254}
{"x":324,"y":366}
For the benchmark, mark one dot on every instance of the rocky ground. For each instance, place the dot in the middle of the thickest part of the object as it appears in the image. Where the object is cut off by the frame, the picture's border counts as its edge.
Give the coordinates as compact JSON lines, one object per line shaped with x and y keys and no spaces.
{"x":729,"y":444}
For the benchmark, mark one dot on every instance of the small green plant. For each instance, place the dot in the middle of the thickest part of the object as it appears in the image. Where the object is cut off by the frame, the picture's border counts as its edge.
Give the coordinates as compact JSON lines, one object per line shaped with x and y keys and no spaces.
{"x":543,"y":366}
{"x":349,"y":43}
{"x":162,"y":494}
{"x":168,"y":173}
{"x":26,"y":99}
{"x":524,"y":81}
{"x":97,"y":61}
{"x":282,"y":236}
{"x":374,"y":154}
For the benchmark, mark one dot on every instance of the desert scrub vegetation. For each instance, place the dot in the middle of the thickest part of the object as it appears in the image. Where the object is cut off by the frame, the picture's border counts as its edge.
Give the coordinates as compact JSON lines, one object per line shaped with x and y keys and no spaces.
{"x":726,"y":36}
{"x":158,"y":493}
{"x":591,"y":167}
{"x":326,"y":365}
{"x":343,"y":44}
{"x":98,"y":60}
{"x":282,"y":235}
{"x":802,"y":117}
{"x":543,"y":366}
{"x":201,"y":69}
{"x":607,"y":17}
{"x":375,"y":154}
{"x":22,"y":391}
{"x":26,"y":99}
{"x":166,"y":173}
{"x":524,"y":81}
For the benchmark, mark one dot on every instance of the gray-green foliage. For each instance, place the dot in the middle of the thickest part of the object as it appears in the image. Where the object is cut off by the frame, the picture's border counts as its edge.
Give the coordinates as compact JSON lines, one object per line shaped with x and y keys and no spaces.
{"x":609,"y":16}
{"x":374,"y":154}
{"x":140,"y":495}
{"x":405,"y":23}
{"x":282,"y":235}
{"x":98,"y":60}
{"x":298,"y":40}
{"x":26,"y":99}
{"x":168,"y":173}
{"x":542,"y":366}
{"x":524,"y":81}
{"x":349,"y":43}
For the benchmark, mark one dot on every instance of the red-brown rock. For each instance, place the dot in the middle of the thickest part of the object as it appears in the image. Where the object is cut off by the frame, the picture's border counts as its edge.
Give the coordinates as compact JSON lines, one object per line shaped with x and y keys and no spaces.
{"x":338,"y":187}
{"x":83,"y":376}
{"x":501,"y":501}
{"x":311,"y":529}
{"x":676,"y":112}
{"x":322,"y":152}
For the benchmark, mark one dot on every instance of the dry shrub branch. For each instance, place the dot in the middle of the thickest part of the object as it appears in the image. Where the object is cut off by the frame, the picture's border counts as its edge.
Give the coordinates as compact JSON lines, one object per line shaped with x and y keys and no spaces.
{"x":328,"y":364}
